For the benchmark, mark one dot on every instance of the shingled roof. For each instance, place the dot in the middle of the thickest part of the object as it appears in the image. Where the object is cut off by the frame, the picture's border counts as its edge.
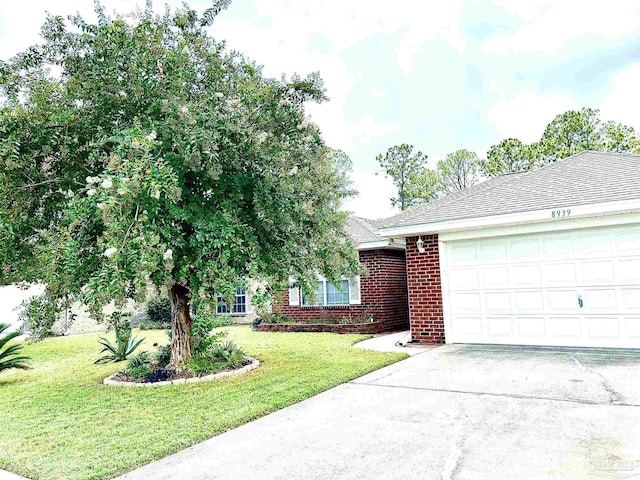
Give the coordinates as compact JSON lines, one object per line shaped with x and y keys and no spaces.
{"x":363,"y":230}
{"x":582,"y":179}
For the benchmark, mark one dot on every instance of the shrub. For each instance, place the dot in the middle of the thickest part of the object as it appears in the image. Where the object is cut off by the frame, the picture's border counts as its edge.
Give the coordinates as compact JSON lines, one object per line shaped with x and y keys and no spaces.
{"x":125,"y":345}
{"x":159,"y":311}
{"x":37,"y":315}
{"x":201,"y":337}
{"x":256,"y":322}
{"x":10,"y":356}
{"x":154,"y":326}
{"x":141,"y":358}
{"x":200,"y":365}
{"x":139,"y":372}
{"x":163,"y":355}
{"x":275,"y":318}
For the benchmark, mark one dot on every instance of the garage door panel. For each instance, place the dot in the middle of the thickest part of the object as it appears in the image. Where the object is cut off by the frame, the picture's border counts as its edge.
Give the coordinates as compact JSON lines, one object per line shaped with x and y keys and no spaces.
{"x":628,"y":271}
{"x":629,"y":299}
{"x":627,"y":241}
{"x":525,"y":276}
{"x":559,"y":274}
{"x":598,"y":272}
{"x":497,"y":302}
{"x":466,"y":303}
{"x":463,"y":253}
{"x":524,"y":249}
{"x":603,"y":327}
{"x":565,"y":327}
{"x":577,"y":288}
{"x":493,"y":277}
{"x":529,"y":301}
{"x":603,"y":301}
{"x":499,"y":327}
{"x":465,"y":279}
{"x":531,"y":327}
{"x":556,"y":246}
{"x":632,"y":327}
{"x":563,"y":300}
{"x":492,"y":251}
{"x":469,"y":328}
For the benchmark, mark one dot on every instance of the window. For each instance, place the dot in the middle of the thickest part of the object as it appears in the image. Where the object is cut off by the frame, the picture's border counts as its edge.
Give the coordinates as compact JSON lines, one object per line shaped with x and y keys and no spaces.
{"x":239,"y":306}
{"x":328,"y":294}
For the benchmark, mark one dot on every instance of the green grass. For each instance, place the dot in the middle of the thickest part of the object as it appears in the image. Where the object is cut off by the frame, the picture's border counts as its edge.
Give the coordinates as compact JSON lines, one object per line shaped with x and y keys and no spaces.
{"x":58,"y":421}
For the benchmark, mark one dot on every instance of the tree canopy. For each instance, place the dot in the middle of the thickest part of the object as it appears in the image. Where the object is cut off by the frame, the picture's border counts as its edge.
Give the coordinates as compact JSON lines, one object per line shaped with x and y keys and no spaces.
{"x":400,"y":163}
{"x":141,"y":151}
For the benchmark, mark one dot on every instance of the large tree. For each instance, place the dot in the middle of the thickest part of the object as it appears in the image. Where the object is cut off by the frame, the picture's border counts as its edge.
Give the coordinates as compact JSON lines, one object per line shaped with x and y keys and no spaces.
{"x":458,"y":171}
{"x":577,"y":130}
{"x":400,"y":163}
{"x":141,"y":151}
{"x":508,"y":156}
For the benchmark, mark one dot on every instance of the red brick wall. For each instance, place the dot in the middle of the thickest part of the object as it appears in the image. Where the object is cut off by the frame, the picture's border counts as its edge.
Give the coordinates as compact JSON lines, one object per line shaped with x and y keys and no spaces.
{"x":425,"y":291}
{"x":383,"y":294}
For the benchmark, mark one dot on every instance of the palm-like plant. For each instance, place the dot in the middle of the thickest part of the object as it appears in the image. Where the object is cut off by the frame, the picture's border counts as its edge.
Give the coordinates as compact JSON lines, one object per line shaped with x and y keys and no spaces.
{"x":125,"y":345}
{"x":10,"y":355}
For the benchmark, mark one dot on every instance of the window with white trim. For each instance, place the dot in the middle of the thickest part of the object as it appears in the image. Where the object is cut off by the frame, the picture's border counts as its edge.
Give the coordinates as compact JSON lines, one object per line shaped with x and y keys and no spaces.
{"x":328,"y":294}
{"x":239,"y":305}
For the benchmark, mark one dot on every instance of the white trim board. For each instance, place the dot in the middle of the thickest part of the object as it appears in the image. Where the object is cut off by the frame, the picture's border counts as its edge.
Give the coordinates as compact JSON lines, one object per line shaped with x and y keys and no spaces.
{"x":520,"y":218}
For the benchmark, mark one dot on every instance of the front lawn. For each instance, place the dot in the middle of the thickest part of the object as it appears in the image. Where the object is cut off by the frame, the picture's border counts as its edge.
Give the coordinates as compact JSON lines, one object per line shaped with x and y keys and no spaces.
{"x":59,"y":422}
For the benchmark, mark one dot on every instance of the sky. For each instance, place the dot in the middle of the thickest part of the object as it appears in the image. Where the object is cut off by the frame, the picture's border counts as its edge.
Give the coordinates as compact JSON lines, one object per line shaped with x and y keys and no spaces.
{"x":438,"y":75}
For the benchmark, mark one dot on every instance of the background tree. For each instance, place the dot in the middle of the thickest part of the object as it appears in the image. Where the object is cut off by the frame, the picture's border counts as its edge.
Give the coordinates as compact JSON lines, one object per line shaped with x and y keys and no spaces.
{"x":156,"y":157}
{"x":569,"y":133}
{"x":423,"y":186}
{"x":400,"y":163}
{"x":508,"y":156}
{"x":619,"y":138}
{"x":458,"y":171}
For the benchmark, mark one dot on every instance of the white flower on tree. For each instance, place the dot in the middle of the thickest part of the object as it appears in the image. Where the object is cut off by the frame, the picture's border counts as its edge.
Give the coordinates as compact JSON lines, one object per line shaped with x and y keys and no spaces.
{"x":107,"y":183}
{"x":219,"y":94}
{"x":110,"y":252}
{"x":91,"y":192}
{"x":168,"y":255}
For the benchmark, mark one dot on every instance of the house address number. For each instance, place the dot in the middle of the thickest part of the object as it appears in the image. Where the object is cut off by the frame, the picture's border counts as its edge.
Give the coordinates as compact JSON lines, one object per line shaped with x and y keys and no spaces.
{"x":565,"y":212}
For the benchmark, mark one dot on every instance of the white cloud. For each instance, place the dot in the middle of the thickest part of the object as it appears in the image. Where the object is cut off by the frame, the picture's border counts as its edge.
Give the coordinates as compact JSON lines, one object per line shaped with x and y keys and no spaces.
{"x":374,"y":199}
{"x":548,"y":26}
{"x":526,"y":115}
{"x":619,"y":104}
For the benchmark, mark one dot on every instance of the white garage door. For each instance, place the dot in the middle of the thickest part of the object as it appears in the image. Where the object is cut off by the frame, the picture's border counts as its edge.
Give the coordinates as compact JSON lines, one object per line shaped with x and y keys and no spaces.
{"x":572,"y":288}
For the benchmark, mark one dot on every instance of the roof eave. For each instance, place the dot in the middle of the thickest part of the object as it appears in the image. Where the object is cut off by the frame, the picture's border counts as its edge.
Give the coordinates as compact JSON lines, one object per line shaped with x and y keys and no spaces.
{"x":533,"y":216}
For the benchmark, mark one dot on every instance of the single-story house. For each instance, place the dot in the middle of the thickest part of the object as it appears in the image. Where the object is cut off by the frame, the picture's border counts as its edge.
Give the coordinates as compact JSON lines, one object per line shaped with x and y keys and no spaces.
{"x":544,"y":257}
{"x":371,"y":303}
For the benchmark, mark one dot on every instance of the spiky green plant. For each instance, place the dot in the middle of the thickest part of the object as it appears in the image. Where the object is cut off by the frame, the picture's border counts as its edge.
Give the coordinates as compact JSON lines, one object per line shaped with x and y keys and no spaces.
{"x":125,"y":345}
{"x":10,"y":354}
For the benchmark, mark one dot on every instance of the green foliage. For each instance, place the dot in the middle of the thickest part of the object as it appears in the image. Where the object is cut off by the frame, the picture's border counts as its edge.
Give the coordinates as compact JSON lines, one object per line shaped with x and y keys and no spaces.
{"x":423,"y":186}
{"x":400,"y":163}
{"x":10,"y":355}
{"x":139,"y":359}
{"x":217,"y":356}
{"x":37,"y":316}
{"x":158,"y":312}
{"x":124,"y":346}
{"x":276,"y":318}
{"x":508,"y":156}
{"x":458,"y":171}
{"x":201,"y":337}
{"x":183,"y":165}
{"x":139,"y":371}
{"x":567,"y":134}
{"x":163,"y":355}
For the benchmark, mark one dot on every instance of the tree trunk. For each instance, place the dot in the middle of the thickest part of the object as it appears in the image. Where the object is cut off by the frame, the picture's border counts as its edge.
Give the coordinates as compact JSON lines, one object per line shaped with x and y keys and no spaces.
{"x":181,"y":325}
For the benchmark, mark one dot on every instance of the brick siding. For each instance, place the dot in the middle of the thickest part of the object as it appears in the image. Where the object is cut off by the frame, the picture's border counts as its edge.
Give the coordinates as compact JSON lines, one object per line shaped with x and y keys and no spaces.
{"x":383,"y":293}
{"x":425,"y":291}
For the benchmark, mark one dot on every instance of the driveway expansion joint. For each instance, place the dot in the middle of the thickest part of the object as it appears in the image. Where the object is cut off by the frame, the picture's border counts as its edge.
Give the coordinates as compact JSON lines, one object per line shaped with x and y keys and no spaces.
{"x":492,"y":394}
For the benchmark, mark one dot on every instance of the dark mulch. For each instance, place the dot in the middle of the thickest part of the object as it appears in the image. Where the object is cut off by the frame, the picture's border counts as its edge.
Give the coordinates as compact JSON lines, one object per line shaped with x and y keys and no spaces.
{"x":161,"y":374}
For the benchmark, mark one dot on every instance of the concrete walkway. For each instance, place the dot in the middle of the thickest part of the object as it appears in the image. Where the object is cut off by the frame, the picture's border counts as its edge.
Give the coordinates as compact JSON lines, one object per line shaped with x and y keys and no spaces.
{"x":449,"y":413}
{"x":393,"y":342}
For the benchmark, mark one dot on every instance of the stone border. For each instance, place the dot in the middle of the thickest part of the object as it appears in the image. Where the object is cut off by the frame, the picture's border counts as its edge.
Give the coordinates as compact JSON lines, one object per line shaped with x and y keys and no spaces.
{"x":180,"y":381}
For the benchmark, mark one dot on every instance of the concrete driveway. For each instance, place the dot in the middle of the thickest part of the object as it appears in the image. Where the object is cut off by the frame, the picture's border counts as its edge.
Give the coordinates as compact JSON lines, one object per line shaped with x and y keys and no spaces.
{"x":455,"y":412}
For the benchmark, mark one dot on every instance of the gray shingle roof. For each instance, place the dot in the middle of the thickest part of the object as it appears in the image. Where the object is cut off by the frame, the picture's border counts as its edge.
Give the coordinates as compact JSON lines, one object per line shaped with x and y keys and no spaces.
{"x":363,"y":230}
{"x":582,"y":179}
